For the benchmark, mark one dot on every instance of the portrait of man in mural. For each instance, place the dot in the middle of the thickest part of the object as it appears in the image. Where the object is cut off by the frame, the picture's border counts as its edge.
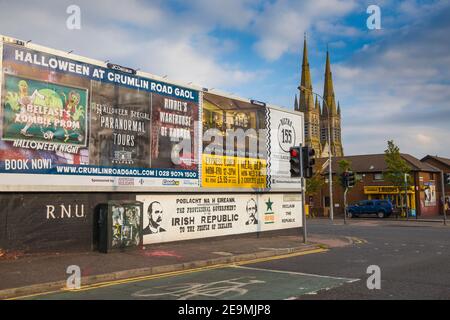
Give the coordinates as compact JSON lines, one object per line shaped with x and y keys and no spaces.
{"x":154,"y":212}
{"x":252,"y":210}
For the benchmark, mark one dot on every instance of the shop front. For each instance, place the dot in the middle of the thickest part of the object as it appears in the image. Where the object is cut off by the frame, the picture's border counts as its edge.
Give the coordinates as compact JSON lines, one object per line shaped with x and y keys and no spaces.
{"x":396,"y":196}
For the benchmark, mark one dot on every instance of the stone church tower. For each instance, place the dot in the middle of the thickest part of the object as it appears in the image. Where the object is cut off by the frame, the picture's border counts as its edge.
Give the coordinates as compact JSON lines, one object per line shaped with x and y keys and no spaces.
{"x":334,"y":116}
{"x":310,"y":108}
{"x":316,"y":118}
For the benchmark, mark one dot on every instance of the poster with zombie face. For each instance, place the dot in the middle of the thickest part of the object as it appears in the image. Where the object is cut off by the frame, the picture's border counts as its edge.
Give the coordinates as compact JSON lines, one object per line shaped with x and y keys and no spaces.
{"x":43,"y":111}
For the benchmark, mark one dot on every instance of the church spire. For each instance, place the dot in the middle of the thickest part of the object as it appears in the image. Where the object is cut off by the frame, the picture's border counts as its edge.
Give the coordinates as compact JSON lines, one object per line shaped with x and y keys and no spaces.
{"x":306,"y":97}
{"x":296,"y":103}
{"x":328,"y":90}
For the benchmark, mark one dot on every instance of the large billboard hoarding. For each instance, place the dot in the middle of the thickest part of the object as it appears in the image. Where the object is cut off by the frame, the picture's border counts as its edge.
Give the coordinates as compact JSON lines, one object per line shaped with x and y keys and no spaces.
{"x":71,"y":124}
{"x":79,"y":125}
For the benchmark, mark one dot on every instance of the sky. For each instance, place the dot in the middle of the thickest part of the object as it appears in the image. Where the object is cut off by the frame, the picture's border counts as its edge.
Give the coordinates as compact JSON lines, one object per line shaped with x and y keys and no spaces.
{"x":392,"y":83}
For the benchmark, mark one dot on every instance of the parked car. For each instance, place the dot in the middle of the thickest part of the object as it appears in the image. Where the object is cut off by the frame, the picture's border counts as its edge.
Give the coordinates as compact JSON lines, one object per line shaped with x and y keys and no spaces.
{"x":381,"y":208}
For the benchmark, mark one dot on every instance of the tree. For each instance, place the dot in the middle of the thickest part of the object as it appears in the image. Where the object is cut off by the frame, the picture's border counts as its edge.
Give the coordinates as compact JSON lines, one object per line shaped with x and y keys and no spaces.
{"x":397,"y":168}
{"x":344,"y":165}
{"x":313,"y":186}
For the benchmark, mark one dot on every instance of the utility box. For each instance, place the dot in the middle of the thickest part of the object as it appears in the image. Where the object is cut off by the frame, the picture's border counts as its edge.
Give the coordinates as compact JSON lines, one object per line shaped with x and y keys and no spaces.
{"x":119,"y":225}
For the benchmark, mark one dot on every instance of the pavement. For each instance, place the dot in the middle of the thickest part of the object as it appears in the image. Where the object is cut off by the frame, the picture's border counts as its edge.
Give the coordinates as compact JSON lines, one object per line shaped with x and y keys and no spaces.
{"x":439,"y":219}
{"x":37,"y":273}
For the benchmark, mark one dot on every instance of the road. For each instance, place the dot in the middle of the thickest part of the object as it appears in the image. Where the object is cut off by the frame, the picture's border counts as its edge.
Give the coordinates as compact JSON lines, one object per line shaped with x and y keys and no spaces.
{"x":414,"y":259}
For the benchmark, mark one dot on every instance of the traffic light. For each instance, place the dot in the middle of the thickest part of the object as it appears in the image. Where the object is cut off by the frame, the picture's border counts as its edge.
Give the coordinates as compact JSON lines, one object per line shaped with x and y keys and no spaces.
{"x":294,"y":153}
{"x":308,"y":161}
{"x":350,"y":179}
{"x":344,"y":179}
{"x":447,"y":178}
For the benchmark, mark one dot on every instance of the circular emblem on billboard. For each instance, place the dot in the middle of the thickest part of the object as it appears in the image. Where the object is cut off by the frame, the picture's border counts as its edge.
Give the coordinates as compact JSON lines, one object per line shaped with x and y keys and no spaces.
{"x":286,"y":134}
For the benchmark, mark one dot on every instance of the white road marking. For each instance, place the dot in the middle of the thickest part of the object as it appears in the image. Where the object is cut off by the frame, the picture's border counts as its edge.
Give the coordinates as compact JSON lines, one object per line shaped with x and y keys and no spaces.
{"x":275,"y":249}
{"x":185,"y":291}
{"x":298,"y":273}
{"x":223,"y":253}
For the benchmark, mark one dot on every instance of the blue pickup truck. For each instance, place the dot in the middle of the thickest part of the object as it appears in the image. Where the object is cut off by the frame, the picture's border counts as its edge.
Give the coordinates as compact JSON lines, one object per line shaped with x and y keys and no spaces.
{"x":380,"y":208}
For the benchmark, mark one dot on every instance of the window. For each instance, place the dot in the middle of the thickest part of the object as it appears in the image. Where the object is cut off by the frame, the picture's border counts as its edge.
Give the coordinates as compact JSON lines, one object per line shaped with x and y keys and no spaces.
{"x":327,"y":201}
{"x":378,"y":176}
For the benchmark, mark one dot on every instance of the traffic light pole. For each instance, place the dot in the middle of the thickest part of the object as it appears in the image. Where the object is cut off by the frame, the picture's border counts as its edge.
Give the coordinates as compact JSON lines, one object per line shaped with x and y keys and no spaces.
{"x":330,"y":176}
{"x":303,"y":196}
{"x":345,"y":205}
{"x":443,"y":197}
{"x":406,"y":196}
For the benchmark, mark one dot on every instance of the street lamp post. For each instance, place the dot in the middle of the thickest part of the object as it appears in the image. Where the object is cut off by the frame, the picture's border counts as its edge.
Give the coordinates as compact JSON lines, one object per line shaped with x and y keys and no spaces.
{"x":330,"y":173}
{"x":406,"y":196}
{"x":443,"y":197}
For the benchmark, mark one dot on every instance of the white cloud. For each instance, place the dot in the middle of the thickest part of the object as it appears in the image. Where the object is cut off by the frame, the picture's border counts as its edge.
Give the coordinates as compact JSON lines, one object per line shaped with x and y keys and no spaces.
{"x":282,"y":23}
{"x":424,"y":139}
{"x":235,"y":14}
{"x":397,"y":88}
{"x":149,"y":36}
{"x":185,"y":63}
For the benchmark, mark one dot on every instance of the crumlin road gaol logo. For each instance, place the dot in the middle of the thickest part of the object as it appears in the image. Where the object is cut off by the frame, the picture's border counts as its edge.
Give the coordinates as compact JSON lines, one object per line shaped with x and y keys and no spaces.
{"x":286,"y":134}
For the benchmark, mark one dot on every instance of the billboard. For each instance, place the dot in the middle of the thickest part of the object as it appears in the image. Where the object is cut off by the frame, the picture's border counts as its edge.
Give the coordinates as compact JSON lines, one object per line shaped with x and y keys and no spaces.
{"x":78,"y":125}
{"x":72,"y":124}
{"x":246,"y":145}
{"x":234,"y":144}
{"x":184,"y":217}
{"x":285,"y":131}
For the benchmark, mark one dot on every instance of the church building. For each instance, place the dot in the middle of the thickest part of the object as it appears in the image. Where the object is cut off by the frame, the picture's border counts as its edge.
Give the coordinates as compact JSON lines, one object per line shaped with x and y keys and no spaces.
{"x":320,"y":116}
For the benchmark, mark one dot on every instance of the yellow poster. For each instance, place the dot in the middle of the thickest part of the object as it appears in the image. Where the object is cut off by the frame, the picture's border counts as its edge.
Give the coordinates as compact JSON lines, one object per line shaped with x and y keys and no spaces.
{"x":231,"y":172}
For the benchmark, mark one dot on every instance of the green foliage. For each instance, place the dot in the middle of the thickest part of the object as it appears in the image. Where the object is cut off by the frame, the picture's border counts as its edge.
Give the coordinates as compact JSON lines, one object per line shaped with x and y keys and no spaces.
{"x":344,"y":165}
{"x":314,"y":184}
{"x":397,"y":167}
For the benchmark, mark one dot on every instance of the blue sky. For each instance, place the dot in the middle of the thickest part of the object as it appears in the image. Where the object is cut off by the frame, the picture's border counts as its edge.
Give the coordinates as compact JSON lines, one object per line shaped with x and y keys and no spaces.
{"x":392,"y":83}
